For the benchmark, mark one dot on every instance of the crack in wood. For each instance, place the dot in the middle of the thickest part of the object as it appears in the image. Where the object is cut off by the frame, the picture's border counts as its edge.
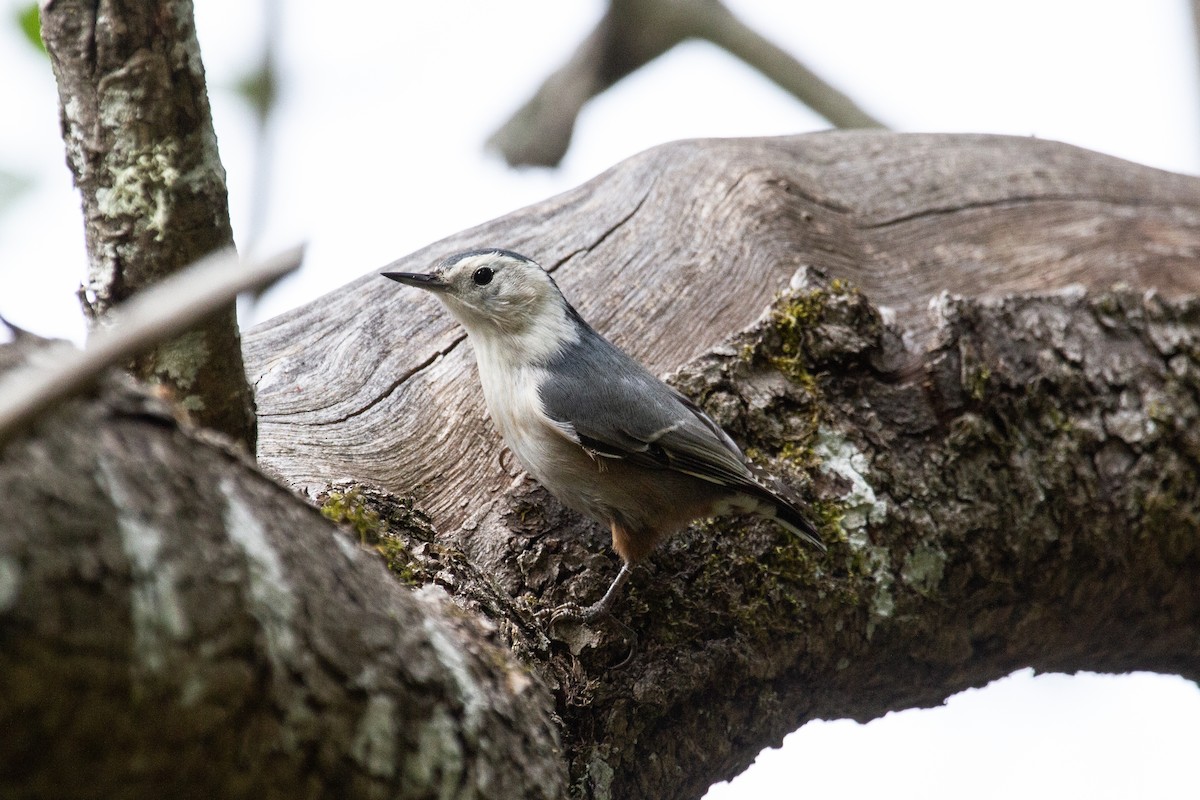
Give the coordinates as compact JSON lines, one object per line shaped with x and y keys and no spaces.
{"x":1016,"y":201}
{"x":396,"y":384}
{"x":610,"y":231}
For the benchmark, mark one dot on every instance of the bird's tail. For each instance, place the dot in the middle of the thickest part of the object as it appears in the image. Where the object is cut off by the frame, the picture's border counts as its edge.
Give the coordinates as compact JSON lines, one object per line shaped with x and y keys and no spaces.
{"x":790,"y":517}
{"x":783,"y":509}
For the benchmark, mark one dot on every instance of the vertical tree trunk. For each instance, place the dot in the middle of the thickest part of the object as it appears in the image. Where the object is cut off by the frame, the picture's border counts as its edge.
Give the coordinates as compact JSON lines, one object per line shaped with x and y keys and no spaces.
{"x":141,"y":148}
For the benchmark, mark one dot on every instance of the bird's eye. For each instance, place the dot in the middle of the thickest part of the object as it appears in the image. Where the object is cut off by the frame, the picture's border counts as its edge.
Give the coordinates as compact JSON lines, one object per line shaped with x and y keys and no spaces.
{"x":483,"y":276}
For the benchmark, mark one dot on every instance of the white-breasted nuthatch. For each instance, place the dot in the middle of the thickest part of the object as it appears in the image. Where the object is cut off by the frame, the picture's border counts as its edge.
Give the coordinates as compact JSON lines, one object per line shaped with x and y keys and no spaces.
{"x":593,"y":426}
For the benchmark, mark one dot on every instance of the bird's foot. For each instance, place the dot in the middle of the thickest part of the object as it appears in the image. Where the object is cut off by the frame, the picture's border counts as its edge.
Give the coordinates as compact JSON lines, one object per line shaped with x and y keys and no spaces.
{"x":573,"y":612}
{"x":573,"y":624}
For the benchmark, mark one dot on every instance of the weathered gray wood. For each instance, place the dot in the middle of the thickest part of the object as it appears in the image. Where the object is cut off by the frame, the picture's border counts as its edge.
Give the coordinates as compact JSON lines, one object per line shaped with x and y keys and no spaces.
{"x":1005,"y":480}
{"x":671,"y":251}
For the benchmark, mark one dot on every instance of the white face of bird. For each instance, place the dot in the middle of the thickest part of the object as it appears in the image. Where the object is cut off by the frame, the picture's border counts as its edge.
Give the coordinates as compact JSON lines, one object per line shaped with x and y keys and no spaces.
{"x":493,"y":289}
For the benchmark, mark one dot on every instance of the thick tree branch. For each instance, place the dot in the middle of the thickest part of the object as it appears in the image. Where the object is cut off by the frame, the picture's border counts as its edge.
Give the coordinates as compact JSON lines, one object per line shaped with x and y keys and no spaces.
{"x":633,"y":33}
{"x":176,"y":625}
{"x":141,"y":148}
{"x":1008,"y":480}
{"x":1008,"y":474}
{"x":673,"y":250}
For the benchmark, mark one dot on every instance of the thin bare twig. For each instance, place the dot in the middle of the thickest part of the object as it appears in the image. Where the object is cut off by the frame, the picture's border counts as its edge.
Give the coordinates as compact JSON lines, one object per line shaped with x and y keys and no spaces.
{"x":151,"y":316}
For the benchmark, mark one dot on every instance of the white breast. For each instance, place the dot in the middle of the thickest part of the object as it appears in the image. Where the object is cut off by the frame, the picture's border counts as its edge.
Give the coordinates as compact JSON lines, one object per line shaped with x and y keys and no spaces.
{"x":512,"y":400}
{"x":542,"y":446}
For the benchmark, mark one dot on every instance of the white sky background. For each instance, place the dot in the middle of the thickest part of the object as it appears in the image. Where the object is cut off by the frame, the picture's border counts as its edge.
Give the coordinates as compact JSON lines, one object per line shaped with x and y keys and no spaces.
{"x":376,"y":151}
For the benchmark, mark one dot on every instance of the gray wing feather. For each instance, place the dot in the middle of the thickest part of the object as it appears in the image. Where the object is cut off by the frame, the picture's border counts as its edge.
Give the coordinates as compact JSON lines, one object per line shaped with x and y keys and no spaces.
{"x":619,"y":410}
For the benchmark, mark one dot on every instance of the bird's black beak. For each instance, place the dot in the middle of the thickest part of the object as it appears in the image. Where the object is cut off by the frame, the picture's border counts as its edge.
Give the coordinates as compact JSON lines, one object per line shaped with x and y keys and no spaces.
{"x":421,"y":280}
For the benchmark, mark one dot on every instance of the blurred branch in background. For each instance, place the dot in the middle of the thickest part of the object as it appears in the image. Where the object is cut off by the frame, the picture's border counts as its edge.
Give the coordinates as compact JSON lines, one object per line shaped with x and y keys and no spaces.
{"x":259,"y":88}
{"x":633,"y":33}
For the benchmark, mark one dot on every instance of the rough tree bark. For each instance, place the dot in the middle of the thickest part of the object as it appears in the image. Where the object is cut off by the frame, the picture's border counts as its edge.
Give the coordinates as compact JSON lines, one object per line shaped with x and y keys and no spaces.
{"x":984,"y":375}
{"x":141,"y":148}
{"x":175,"y":624}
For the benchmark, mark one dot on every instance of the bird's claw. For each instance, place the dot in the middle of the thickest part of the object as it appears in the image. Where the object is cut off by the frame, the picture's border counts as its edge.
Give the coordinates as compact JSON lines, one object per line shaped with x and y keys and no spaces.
{"x":573,"y":612}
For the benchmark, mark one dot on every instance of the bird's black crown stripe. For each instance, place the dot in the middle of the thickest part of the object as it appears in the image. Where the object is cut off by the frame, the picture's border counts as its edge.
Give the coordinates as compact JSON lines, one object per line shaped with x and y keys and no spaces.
{"x":485,"y":251}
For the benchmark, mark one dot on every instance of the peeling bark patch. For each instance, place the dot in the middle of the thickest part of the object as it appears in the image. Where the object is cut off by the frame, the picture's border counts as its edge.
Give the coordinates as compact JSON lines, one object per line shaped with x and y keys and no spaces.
{"x":924,"y":567}
{"x":157,"y":612}
{"x":600,"y":776}
{"x":438,"y":758}
{"x":155,"y":606}
{"x":451,"y":657}
{"x":180,"y":360}
{"x":139,"y":187}
{"x":1129,"y":422}
{"x":272,"y":601}
{"x":10,"y":583}
{"x":375,"y":743}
